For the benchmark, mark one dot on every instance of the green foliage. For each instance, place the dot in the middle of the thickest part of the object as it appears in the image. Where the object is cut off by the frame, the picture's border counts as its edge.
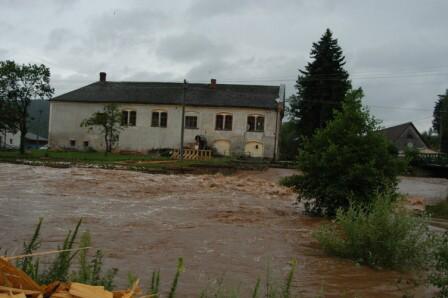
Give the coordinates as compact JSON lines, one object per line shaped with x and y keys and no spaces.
{"x":288,"y":141}
{"x":431,"y":139}
{"x":109,"y":121}
{"x":59,"y":269}
{"x":380,"y":235}
{"x":27,"y":264}
{"x":132,"y":278}
{"x":347,"y":160}
{"x":90,"y":271}
{"x":179,"y":269}
{"x":438,"y":111}
{"x":439,"y":275}
{"x":288,"y":283}
{"x":272,"y":288}
{"x":155,"y":283}
{"x":19,"y":84}
{"x":321,"y":87}
{"x":256,"y":288}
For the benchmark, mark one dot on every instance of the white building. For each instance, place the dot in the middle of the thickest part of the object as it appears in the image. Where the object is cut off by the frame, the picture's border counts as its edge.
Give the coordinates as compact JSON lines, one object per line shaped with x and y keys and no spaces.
{"x":9,"y":140}
{"x":234,"y":119}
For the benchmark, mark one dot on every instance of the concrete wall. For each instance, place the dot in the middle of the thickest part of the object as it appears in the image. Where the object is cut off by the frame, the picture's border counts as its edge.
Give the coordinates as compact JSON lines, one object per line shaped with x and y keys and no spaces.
{"x":65,"y":119}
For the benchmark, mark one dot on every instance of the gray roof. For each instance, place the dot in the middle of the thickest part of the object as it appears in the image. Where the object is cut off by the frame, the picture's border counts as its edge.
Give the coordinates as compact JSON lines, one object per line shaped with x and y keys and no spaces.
{"x":224,"y":95}
{"x":394,"y":132}
{"x":34,"y":137}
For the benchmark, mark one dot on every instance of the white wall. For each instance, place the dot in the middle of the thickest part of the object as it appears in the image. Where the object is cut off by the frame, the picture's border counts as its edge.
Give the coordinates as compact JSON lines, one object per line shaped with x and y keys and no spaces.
{"x":9,"y":140}
{"x":65,"y":119}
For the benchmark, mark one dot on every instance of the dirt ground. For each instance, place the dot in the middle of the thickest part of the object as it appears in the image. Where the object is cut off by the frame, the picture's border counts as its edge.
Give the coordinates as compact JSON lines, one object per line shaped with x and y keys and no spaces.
{"x":232,"y":226}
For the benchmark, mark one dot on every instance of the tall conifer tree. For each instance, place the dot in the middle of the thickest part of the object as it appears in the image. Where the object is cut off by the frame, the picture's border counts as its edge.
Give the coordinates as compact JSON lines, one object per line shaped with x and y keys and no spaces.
{"x":321,"y":87}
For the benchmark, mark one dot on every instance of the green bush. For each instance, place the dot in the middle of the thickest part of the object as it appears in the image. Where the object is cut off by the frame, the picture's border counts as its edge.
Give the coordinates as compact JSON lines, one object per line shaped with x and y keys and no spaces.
{"x":439,"y":276}
{"x":384,"y":236}
{"x":89,"y":270}
{"x":348,"y":158}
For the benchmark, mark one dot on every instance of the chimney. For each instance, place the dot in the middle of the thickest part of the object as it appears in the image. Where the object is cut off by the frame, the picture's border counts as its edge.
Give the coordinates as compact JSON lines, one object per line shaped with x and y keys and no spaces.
{"x":213,"y":83}
{"x":102,"y":76}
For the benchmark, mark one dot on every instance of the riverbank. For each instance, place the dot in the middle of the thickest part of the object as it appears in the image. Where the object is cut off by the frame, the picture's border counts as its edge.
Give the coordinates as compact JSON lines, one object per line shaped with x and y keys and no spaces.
{"x":147,"y":163}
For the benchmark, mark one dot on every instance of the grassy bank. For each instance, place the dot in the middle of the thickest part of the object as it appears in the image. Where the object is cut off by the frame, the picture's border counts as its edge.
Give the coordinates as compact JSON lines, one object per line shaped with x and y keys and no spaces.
{"x":152,"y":163}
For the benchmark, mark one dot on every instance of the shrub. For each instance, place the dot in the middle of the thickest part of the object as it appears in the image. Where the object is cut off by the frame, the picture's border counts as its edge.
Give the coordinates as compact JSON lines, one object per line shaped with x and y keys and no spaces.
{"x":346,"y":159}
{"x":439,"y":276}
{"x":384,"y":236}
{"x":90,"y":270}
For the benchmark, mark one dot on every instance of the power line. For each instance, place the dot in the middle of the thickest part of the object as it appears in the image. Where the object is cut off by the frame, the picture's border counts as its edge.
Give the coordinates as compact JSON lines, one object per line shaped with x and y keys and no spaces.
{"x":369,"y":106}
{"x":319,"y":77}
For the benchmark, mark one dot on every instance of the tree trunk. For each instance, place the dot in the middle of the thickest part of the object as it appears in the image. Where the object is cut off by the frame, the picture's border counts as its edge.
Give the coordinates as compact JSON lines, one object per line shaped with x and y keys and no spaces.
{"x":107,"y":143}
{"x":23,"y":132}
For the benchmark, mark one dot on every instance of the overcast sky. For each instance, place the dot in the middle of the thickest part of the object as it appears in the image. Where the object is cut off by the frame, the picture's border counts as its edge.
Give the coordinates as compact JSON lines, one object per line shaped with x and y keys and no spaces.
{"x":397,"y":51}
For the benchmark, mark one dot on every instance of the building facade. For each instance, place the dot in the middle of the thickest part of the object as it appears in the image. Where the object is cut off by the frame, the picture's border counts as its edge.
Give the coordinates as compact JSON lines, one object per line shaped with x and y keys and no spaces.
{"x":405,"y":137}
{"x":233,"y":119}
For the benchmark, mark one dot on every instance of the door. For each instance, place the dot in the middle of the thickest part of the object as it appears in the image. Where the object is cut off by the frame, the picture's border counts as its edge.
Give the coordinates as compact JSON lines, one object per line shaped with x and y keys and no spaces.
{"x":254,"y":149}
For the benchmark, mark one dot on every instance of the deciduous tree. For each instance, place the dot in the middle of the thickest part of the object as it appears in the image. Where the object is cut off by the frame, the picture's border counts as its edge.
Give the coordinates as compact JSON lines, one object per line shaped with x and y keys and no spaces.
{"x":19,"y":84}
{"x":109,"y":123}
{"x":347,"y":160}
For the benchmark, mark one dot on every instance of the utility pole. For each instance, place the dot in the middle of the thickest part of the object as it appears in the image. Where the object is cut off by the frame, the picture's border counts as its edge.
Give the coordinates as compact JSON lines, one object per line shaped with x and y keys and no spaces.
{"x":181,"y":151}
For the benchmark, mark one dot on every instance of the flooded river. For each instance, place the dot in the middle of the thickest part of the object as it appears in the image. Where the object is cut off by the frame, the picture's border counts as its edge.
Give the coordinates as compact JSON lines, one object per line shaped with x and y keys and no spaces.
{"x":231,"y":226}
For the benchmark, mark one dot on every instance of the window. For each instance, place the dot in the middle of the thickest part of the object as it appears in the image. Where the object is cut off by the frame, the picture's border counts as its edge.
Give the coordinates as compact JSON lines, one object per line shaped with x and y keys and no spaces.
{"x":72,"y":143}
{"x":10,"y":141}
{"x":163,"y":119}
{"x":223,"y":122}
{"x":124,"y":118}
{"x":86,"y":144}
{"x":128,"y":118}
{"x":255,"y":123}
{"x":159,"y":119}
{"x":132,"y":118}
{"x":191,"y":122}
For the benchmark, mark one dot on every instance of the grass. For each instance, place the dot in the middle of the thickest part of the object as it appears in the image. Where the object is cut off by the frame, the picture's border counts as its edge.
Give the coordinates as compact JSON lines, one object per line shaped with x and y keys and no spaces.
{"x":137,"y":162}
{"x":439,"y":210}
{"x":381,"y":236}
{"x":76,"y":156}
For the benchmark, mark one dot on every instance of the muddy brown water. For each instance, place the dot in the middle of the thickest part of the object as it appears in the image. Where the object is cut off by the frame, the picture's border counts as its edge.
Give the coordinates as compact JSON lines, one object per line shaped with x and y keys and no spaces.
{"x":223,"y":226}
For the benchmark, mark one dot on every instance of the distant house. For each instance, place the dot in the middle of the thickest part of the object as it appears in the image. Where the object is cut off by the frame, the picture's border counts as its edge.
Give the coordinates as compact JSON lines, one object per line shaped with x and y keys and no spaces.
{"x":12,"y":140}
{"x":405,"y":136}
{"x":231,"y":119}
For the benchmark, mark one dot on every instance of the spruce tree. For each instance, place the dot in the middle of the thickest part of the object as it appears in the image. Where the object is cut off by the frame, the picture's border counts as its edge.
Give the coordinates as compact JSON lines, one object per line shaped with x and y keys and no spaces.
{"x":321,"y":87}
{"x":438,"y":111}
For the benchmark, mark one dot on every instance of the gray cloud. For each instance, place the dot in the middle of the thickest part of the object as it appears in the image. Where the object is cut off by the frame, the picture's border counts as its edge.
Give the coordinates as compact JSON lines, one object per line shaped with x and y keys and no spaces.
{"x":191,"y":47}
{"x":395,"y":50}
{"x":125,"y":28}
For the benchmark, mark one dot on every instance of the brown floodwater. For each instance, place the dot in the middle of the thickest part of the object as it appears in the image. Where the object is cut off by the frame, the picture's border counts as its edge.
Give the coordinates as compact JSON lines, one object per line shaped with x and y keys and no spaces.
{"x":231,"y":227}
